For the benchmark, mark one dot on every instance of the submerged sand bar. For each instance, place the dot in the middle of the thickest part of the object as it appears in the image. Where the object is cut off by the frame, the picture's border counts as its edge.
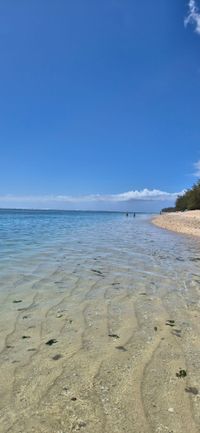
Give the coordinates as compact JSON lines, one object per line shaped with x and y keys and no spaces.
{"x":180,"y":222}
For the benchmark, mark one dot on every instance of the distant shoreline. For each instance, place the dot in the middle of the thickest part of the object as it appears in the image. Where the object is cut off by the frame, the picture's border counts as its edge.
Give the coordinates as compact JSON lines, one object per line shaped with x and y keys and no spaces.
{"x":4,"y":209}
{"x":180,"y":222}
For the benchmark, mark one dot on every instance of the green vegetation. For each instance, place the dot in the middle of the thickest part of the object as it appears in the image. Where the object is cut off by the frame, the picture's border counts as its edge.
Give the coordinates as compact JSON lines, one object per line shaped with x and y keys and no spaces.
{"x":190,"y":200}
{"x":169,"y":209}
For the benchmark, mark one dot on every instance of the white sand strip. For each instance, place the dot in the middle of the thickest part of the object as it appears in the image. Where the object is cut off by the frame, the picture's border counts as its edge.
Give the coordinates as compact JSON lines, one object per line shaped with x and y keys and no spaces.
{"x":180,"y":222}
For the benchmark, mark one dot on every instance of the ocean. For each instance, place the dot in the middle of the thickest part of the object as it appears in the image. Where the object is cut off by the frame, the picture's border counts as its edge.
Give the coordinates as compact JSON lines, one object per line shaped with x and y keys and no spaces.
{"x":96,"y":308}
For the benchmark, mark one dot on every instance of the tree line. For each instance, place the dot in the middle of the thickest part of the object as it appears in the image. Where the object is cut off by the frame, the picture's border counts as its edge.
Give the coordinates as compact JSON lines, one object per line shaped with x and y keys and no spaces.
{"x":190,"y":200}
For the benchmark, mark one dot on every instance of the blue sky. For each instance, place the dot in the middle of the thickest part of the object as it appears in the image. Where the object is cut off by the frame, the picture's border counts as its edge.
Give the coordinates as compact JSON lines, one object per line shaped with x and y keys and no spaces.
{"x":98,"y":99}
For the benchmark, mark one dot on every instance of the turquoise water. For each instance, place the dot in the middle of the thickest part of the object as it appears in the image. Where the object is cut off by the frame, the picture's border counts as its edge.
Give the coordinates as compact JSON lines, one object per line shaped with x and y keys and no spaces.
{"x":36,"y":244}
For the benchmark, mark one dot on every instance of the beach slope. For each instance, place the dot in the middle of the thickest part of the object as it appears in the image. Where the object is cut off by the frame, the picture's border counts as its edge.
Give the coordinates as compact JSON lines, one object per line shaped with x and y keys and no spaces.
{"x":180,"y":222}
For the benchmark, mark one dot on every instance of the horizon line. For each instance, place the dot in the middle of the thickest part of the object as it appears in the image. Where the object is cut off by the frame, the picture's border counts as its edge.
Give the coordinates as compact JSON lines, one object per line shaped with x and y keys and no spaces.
{"x":73,"y":210}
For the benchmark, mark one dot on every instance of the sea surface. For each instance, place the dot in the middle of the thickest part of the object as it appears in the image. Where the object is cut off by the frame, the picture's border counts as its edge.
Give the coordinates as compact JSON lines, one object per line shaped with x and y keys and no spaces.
{"x":33,"y":244}
{"x":85,"y":299}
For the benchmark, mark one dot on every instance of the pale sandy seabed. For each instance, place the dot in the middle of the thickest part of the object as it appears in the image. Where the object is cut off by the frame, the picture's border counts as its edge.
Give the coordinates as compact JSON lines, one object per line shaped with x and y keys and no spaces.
{"x":113,"y":366}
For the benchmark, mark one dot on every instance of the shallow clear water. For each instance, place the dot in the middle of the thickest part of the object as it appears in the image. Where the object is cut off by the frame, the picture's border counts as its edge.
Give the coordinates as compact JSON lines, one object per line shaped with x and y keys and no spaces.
{"x":102,"y":286}
{"x":35,"y":244}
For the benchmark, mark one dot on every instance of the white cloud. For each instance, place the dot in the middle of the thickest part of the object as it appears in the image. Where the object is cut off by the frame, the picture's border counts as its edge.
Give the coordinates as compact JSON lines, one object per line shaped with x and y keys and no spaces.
{"x":193,"y":16}
{"x":197,"y":168}
{"x":142,"y":195}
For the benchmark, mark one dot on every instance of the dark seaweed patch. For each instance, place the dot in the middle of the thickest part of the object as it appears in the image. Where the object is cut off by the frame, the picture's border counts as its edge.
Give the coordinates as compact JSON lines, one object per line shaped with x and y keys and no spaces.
{"x":50,"y":342}
{"x":170,"y":323}
{"x":194,"y":259}
{"x":97,"y":272}
{"x":182,"y":373}
{"x":113,"y":335}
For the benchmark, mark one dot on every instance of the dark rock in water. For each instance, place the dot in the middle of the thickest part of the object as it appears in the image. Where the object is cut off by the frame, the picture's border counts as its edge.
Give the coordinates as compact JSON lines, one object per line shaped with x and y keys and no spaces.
{"x":25,"y":336}
{"x":16,"y":301}
{"x":122,"y":348}
{"x":50,"y":342}
{"x":192,"y":390}
{"x":56,"y":357}
{"x":181,"y":373}
{"x":155,"y":328}
{"x":113,"y":335}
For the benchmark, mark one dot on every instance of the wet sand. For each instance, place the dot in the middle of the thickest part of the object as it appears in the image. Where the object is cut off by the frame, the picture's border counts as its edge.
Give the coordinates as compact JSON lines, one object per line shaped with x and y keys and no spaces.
{"x":180,"y":222}
{"x":112,"y":362}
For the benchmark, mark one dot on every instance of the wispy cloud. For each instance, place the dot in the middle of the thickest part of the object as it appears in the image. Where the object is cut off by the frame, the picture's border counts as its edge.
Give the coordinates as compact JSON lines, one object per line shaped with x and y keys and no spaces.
{"x":197,"y":169}
{"x":142,"y":195}
{"x":193,"y":16}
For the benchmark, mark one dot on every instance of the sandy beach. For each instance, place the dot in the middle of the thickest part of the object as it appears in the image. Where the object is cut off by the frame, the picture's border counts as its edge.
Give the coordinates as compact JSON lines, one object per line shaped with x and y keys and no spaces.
{"x":180,"y":222}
